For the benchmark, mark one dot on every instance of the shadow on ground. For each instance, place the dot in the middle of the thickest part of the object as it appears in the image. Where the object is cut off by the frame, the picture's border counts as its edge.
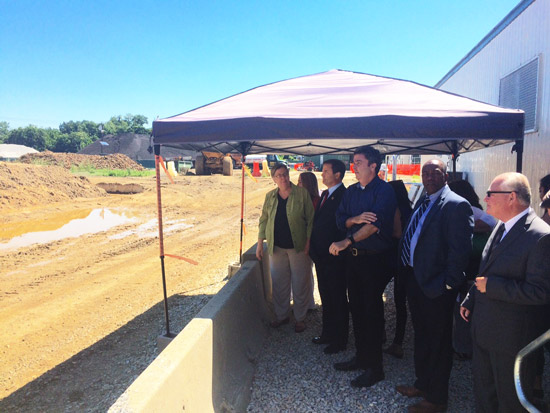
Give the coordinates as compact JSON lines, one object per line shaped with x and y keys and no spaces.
{"x":93,"y":379}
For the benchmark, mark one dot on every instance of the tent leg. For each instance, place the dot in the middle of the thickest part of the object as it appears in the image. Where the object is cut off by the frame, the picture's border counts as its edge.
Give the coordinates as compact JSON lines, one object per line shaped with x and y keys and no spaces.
{"x":518,"y":147}
{"x":242,"y":210}
{"x":161,"y":238}
{"x":454,"y":164}
{"x":165,"y":298}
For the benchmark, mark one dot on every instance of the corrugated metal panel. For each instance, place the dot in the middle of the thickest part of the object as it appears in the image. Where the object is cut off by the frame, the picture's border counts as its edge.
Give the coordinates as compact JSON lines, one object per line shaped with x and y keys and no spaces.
{"x":522,"y":41}
{"x":519,"y":89}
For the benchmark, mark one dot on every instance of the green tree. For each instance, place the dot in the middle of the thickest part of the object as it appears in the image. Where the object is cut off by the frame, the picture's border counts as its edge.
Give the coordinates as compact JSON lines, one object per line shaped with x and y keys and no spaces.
{"x":91,"y":128}
{"x":52,"y":136}
{"x":136,"y":123}
{"x":87,"y":126}
{"x":68,"y":127}
{"x":72,"y":142}
{"x":116,"y":126}
{"x":30,"y":136}
{"x":4,"y":131}
{"x":127,"y":124}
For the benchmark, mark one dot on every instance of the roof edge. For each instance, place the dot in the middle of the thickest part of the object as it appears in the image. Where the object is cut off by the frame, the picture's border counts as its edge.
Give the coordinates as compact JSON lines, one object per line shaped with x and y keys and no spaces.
{"x":510,"y":17}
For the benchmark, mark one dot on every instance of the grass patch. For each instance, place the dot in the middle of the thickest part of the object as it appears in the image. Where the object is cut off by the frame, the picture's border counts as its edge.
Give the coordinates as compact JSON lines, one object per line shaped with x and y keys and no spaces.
{"x":41,"y":162}
{"x":89,"y":169}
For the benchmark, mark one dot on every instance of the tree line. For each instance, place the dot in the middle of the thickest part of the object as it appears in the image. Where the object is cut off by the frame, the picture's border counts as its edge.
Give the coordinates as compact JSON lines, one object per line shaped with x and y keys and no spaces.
{"x":72,"y":136}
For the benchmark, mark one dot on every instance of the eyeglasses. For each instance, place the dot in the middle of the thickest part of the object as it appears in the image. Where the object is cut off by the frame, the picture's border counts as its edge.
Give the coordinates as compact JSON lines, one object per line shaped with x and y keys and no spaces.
{"x":489,"y":193}
{"x":280,"y":175}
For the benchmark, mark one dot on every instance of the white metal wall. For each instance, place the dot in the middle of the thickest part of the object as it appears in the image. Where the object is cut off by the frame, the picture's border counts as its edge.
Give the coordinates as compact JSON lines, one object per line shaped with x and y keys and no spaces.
{"x":522,"y":40}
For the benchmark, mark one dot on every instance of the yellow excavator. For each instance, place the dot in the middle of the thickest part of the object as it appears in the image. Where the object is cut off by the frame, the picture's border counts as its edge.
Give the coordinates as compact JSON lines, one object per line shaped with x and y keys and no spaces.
{"x":208,"y":163}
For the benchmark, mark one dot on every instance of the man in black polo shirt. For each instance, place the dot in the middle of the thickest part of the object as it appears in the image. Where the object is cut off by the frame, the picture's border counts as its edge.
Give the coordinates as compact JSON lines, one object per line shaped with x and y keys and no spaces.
{"x":366,"y":213}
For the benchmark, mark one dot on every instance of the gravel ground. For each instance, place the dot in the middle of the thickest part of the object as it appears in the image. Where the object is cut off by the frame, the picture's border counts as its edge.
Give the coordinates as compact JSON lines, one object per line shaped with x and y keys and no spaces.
{"x":294,"y":375}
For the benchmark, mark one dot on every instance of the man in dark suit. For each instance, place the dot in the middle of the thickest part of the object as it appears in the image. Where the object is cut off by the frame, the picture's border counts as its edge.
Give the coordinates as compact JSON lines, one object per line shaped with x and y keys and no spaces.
{"x":509,"y":295}
{"x":330,"y":269}
{"x":435,"y":249}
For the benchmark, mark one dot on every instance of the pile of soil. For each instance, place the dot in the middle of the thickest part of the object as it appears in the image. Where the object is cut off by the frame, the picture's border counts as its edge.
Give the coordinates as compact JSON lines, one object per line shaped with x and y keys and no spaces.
{"x":67,"y":160}
{"x":23,"y":185}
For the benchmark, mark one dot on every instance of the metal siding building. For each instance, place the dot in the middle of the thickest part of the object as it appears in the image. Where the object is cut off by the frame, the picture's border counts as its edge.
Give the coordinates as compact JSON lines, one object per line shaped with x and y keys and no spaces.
{"x":520,"y":39}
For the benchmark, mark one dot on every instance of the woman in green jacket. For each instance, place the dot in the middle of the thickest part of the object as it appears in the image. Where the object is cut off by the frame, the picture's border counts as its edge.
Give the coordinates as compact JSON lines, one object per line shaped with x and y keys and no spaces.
{"x":286,"y":223}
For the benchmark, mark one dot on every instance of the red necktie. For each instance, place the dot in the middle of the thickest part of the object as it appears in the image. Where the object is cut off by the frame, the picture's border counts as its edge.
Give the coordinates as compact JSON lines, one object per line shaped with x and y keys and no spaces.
{"x":324,"y":197}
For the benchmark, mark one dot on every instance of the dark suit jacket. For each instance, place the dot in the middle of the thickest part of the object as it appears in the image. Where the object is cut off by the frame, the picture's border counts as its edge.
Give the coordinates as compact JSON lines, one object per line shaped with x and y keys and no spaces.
{"x":518,"y":284}
{"x":444,"y":245}
{"x":325,"y":231}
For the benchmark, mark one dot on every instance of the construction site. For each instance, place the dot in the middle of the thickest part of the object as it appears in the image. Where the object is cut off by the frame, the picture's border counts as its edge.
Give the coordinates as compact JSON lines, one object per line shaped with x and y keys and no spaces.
{"x":81,"y":312}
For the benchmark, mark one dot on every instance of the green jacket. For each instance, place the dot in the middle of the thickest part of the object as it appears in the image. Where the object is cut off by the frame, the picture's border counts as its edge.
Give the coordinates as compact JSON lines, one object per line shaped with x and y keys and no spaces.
{"x":300,"y":212}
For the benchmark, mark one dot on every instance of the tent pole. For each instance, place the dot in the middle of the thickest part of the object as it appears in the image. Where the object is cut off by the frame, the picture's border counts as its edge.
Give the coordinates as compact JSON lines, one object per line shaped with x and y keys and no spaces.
{"x":242,"y":209}
{"x":518,"y":147}
{"x":244,"y":147}
{"x":161,"y":238}
{"x":454,"y":164}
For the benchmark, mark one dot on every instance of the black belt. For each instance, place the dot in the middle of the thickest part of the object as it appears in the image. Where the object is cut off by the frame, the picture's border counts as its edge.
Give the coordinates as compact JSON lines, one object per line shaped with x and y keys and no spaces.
{"x":356,"y":252}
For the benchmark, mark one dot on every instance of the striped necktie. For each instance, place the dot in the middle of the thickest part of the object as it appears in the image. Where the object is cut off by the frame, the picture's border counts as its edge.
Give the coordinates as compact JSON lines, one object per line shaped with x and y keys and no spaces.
{"x":406,"y":245}
{"x":324,"y":197}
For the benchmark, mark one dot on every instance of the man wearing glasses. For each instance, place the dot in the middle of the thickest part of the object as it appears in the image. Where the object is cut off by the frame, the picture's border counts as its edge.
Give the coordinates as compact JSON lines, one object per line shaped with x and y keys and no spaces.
{"x":434,"y":251}
{"x":509,"y":295}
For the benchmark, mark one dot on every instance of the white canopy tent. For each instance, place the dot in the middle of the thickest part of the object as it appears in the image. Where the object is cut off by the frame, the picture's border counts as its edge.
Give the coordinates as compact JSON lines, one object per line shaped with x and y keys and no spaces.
{"x":333,"y":113}
{"x":336,"y":111}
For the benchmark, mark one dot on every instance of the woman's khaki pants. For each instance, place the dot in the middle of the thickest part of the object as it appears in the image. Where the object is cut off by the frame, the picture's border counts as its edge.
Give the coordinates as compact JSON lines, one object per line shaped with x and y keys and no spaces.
{"x":290,"y":268}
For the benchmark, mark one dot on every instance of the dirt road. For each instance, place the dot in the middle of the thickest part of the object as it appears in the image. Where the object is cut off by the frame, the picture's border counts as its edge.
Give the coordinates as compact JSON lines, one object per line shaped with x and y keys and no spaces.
{"x":79,"y":316}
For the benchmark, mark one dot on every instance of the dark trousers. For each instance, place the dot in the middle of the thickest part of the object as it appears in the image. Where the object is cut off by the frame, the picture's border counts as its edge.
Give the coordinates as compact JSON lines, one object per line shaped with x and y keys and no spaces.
{"x":494,"y":387}
{"x":366,"y":277}
{"x":432,"y":320}
{"x":331,"y":280}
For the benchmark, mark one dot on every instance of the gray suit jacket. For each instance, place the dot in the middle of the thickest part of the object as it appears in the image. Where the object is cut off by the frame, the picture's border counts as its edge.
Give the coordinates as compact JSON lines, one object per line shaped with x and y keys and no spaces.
{"x":444,"y":244}
{"x":507,"y":317}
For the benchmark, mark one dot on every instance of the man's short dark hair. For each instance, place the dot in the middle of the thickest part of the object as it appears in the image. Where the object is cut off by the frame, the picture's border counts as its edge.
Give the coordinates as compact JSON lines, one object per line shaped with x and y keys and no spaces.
{"x":371,"y":154}
{"x":337,"y":166}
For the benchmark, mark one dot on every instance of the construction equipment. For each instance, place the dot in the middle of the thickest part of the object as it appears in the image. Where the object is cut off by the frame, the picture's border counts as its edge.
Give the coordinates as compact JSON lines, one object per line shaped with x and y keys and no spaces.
{"x":208,"y":163}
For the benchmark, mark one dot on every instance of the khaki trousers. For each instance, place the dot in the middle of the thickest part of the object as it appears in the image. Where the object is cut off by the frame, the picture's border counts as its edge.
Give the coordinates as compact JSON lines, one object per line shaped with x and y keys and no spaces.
{"x":290,"y":268}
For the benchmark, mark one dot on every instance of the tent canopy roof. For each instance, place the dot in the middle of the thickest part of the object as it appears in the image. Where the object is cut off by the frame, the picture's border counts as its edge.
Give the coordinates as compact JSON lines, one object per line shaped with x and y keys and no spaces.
{"x":336,"y":111}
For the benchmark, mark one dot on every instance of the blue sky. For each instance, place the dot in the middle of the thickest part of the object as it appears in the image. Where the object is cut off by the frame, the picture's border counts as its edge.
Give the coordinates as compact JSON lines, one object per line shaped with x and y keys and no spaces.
{"x":89,"y":60}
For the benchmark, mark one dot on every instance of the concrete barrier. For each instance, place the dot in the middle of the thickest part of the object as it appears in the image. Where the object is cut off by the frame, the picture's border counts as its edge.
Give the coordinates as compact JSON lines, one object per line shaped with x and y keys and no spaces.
{"x":209,"y":366}
{"x":250,"y":255}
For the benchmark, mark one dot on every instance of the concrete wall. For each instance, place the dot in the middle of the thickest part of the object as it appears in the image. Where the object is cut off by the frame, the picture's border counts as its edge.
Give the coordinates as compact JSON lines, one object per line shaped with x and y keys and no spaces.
{"x":209,"y":366}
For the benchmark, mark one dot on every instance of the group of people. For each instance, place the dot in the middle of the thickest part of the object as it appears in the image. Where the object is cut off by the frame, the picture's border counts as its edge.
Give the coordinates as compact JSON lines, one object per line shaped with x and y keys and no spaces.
{"x":361,"y":236}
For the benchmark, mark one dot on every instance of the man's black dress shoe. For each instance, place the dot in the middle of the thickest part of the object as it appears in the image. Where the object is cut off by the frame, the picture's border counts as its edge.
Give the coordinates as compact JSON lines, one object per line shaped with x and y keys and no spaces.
{"x":349,"y":365}
{"x":424,"y":406}
{"x":334,"y":348}
{"x":320,"y":340}
{"x":368,"y":378}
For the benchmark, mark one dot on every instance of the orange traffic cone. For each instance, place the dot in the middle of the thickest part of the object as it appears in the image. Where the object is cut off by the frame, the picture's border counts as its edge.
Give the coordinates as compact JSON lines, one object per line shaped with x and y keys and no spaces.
{"x":256,"y":169}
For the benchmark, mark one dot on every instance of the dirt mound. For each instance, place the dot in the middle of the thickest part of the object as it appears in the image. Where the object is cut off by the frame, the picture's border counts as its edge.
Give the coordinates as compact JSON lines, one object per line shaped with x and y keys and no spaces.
{"x":23,"y":185}
{"x":66,"y":160}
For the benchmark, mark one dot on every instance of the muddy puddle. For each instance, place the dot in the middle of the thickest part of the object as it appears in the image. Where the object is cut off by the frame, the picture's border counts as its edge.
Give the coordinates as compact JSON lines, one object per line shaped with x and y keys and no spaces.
{"x":63,"y":226}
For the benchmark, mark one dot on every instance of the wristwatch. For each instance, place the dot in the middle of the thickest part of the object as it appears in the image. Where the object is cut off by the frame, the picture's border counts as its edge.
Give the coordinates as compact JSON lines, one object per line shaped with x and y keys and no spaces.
{"x":351,"y":239}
